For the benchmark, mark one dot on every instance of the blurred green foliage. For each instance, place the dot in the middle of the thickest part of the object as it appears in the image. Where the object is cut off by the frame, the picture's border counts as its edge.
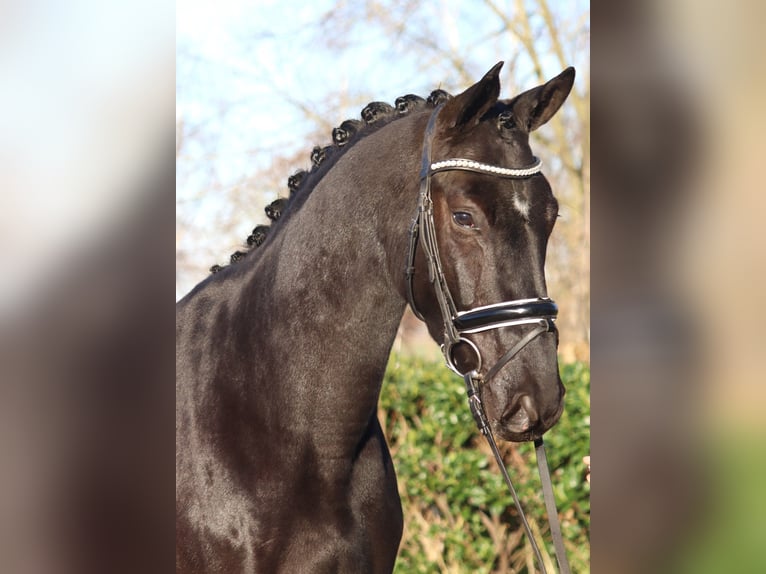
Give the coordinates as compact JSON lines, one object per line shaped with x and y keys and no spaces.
{"x":459,"y":516}
{"x":730,"y":528}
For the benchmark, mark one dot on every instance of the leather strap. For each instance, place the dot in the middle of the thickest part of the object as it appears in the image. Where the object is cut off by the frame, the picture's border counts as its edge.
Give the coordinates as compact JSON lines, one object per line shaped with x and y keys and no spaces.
{"x":409,"y":271}
{"x":550,"y":507}
{"x":472,"y":380}
{"x":543,"y":326}
{"x":505,"y":314}
{"x":477,"y":410}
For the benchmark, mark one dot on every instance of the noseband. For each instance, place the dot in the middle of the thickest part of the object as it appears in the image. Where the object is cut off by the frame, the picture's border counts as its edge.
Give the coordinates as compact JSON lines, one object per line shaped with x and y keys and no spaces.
{"x":539,"y":313}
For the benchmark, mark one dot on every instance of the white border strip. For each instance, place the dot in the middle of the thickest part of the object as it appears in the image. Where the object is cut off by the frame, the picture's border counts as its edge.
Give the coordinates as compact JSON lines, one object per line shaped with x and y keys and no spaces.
{"x":506,"y":304}
{"x":510,"y":323}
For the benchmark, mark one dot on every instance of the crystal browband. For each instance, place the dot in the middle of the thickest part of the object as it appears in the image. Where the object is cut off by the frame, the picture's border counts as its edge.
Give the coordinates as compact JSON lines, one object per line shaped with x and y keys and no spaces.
{"x":469,"y":164}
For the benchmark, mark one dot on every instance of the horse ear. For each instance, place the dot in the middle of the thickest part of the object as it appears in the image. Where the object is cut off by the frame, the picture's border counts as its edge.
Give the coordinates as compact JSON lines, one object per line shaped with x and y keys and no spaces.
{"x":535,"y":107}
{"x":466,"y":109}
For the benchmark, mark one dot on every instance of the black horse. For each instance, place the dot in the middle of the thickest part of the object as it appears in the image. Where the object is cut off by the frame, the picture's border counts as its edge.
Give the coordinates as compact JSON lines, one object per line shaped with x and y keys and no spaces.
{"x":280,"y":459}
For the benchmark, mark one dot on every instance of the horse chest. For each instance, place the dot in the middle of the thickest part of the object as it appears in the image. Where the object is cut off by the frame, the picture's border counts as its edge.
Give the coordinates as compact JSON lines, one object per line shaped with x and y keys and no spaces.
{"x":313,"y":519}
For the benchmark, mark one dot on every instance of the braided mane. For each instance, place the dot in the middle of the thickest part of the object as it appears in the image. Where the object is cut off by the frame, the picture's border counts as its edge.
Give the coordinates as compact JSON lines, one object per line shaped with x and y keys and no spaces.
{"x":374,"y":116}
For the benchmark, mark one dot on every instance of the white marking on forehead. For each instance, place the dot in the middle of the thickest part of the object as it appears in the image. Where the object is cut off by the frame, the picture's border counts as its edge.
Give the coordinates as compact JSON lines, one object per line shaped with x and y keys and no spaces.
{"x":521,"y":205}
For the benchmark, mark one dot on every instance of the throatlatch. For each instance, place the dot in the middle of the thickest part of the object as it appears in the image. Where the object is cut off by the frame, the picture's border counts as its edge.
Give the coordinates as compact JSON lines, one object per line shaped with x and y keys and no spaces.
{"x":538,"y":313}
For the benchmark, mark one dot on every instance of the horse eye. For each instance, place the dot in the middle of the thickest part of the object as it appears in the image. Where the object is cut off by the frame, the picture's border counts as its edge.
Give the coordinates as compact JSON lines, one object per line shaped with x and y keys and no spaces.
{"x":463,"y":219}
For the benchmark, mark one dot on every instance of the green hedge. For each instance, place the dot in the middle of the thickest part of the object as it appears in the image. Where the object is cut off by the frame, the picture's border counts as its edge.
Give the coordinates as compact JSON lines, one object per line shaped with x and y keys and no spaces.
{"x":459,"y":516}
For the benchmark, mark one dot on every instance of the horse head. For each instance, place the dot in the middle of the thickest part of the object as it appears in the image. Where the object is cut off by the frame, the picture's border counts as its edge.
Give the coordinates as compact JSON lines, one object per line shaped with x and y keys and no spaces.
{"x":492,"y":216}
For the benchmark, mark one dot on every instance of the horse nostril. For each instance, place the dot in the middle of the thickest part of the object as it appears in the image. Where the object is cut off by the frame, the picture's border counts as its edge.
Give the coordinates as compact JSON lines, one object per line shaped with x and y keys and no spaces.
{"x":522,"y":416}
{"x":529,"y":407}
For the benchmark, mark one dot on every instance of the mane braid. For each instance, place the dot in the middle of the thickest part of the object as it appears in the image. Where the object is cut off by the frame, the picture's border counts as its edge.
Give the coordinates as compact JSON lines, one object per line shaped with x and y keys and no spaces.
{"x":374,"y":116}
{"x":275,"y":208}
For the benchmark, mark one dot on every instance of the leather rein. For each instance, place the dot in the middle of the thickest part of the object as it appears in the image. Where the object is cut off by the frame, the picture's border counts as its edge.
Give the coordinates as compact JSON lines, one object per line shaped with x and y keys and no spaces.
{"x":538,"y":313}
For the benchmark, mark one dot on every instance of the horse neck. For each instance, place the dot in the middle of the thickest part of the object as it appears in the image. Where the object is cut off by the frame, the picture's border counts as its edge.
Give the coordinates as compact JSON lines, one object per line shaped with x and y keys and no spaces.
{"x":333,"y":299}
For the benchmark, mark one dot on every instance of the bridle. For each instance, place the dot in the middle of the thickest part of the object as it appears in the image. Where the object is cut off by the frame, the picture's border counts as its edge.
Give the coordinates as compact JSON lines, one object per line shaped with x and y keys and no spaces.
{"x":539,"y":313}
